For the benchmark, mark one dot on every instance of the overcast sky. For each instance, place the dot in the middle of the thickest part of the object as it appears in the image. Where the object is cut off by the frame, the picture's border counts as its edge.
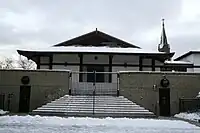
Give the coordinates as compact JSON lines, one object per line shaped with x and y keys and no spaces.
{"x":42,"y":23}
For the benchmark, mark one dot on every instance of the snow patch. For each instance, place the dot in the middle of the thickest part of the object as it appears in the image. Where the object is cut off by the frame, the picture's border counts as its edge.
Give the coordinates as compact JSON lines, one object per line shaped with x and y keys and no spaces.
{"x":3,"y":112}
{"x":89,"y":49}
{"x":84,"y":121}
{"x":189,"y":116}
{"x":24,"y":124}
{"x":178,"y":62}
{"x":198,"y":96}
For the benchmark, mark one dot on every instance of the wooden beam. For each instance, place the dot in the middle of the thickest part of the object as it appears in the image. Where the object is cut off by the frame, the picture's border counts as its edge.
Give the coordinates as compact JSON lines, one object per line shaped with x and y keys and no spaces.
{"x":50,"y":61}
{"x":81,"y":67}
{"x":153,"y":64}
{"x":116,"y":65}
{"x":38,"y":62}
{"x":140,"y":63}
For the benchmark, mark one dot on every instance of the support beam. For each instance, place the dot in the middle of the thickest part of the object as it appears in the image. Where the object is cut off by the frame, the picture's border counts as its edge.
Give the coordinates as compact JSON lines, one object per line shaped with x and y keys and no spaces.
{"x":153,"y":64}
{"x":140,"y":63}
{"x":50,"y":61}
{"x":81,"y":67}
{"x":38,"y":62}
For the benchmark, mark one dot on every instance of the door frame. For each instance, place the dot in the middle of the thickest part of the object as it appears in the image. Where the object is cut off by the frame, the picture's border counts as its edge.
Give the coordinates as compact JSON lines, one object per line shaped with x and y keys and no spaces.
{"x":21,"y":105}
{"x":166,"y":94}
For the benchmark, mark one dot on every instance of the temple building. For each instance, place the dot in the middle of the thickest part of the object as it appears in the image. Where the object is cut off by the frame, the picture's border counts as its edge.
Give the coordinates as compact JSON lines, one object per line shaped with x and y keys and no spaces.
{"x":105,"y":55}
{"x":98,"y":51}
{"x":99,"y":65}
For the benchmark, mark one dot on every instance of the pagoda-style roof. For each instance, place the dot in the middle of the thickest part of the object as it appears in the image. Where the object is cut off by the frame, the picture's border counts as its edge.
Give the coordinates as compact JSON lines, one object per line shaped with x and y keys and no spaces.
{"x":95,"y":42}
{"x":97,"y":38}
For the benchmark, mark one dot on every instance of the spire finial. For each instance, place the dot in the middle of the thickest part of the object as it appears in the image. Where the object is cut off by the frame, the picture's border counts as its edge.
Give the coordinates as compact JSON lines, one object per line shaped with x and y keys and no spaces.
{"x":163,"y":46}
{"x":96,"y":30}
{"x":163,"y":22}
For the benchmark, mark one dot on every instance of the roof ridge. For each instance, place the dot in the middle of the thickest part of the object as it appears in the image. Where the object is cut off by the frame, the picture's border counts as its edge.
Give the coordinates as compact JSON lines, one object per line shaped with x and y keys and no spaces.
{"x":104,"y":35}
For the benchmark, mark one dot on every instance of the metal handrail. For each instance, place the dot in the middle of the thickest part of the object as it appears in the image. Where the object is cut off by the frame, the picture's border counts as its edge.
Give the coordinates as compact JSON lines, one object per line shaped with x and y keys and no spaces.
{"x":106,"y":87}
{"x":85,"y":72}
{"x":94,"y":89}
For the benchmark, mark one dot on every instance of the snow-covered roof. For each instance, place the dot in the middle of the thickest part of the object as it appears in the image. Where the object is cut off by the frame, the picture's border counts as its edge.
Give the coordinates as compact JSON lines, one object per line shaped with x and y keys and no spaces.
{"x":178,"y":62}
{"x":187,"y":54}
{"x":76,"y":49}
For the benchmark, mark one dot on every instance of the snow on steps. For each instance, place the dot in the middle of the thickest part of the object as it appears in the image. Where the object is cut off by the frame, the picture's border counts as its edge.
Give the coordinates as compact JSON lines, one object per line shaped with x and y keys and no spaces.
{"x":105,"y":106}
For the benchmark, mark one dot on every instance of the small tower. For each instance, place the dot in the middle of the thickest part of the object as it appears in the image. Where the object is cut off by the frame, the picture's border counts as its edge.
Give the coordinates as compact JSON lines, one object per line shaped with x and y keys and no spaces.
{"x":163,"y":46}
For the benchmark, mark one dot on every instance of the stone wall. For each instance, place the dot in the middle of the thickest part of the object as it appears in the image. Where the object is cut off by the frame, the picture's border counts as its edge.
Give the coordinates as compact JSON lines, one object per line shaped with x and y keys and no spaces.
{"x":143,"y":88}
{"x":46,"y":85}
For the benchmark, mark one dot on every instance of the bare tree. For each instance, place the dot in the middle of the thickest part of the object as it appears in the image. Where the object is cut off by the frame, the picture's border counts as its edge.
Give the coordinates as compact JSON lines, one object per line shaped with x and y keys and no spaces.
{"x":7,"y":63}
{"x":26,"y":64}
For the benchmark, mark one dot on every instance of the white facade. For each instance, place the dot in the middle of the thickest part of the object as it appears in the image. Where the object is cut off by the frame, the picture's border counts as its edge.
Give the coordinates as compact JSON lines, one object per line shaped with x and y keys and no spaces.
{"x":193,"y":58}
{"x":72,"y":61}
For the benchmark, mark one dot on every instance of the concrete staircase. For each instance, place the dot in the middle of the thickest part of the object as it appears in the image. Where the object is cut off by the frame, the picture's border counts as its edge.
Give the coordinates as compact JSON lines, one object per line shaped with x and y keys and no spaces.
{"x":104,"y":106}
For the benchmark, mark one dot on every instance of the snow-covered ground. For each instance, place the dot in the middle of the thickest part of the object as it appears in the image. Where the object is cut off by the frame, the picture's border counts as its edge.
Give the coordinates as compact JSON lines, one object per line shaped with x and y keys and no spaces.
{"x":195,"y":116}
{"x":3,"y":112}
{"x":30,"y":124}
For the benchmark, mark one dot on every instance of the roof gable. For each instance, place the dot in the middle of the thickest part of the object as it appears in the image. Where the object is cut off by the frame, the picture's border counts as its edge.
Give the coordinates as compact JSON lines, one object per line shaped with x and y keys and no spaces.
{"x":97,"y":38}
{"x":187,"y":54}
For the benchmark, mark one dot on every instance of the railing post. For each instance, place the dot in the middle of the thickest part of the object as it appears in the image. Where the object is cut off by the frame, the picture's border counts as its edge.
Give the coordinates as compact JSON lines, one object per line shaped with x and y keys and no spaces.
{"x":94,"y":86}
{"x":117,"y":84}
{"x":70,"y":80}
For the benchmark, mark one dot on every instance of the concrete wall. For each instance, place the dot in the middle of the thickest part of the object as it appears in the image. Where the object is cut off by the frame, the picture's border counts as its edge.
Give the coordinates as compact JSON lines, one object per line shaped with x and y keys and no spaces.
{"x":138,"y":87}
{"x":45,"y":86}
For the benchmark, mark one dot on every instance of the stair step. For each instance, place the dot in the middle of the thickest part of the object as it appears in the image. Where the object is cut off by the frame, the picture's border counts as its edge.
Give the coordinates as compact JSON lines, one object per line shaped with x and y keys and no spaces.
{"x":111,"y":101}
{"x":96,"y":103}
{"x":100,"y":106}
{"x":90,"y":109}
{"x":91,"y":102}
{"x":105,"y":106}
{"x":128,"y":115}
{"x":90,"y":106}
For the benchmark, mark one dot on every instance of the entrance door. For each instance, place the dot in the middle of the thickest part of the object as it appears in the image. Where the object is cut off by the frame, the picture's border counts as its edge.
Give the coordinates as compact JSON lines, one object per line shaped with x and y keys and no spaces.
{"x":99,"y":76}
{"x":24,"y":102}
{"x":164,"y":101}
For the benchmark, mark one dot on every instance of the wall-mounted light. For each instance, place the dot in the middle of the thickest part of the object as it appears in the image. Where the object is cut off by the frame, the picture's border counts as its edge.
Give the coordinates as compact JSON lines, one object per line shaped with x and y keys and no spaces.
{"x":164,"y":82}
{"x":141,"y":97}
{"x":154,"y":87}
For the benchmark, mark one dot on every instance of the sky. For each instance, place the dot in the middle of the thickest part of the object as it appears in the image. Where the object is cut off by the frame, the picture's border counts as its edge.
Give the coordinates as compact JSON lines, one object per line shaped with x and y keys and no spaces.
{"x":27,"y":24}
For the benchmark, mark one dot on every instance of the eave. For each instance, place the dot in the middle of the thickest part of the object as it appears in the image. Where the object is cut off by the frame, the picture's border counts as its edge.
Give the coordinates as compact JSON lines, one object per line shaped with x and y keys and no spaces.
{"x":159,"y":56}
